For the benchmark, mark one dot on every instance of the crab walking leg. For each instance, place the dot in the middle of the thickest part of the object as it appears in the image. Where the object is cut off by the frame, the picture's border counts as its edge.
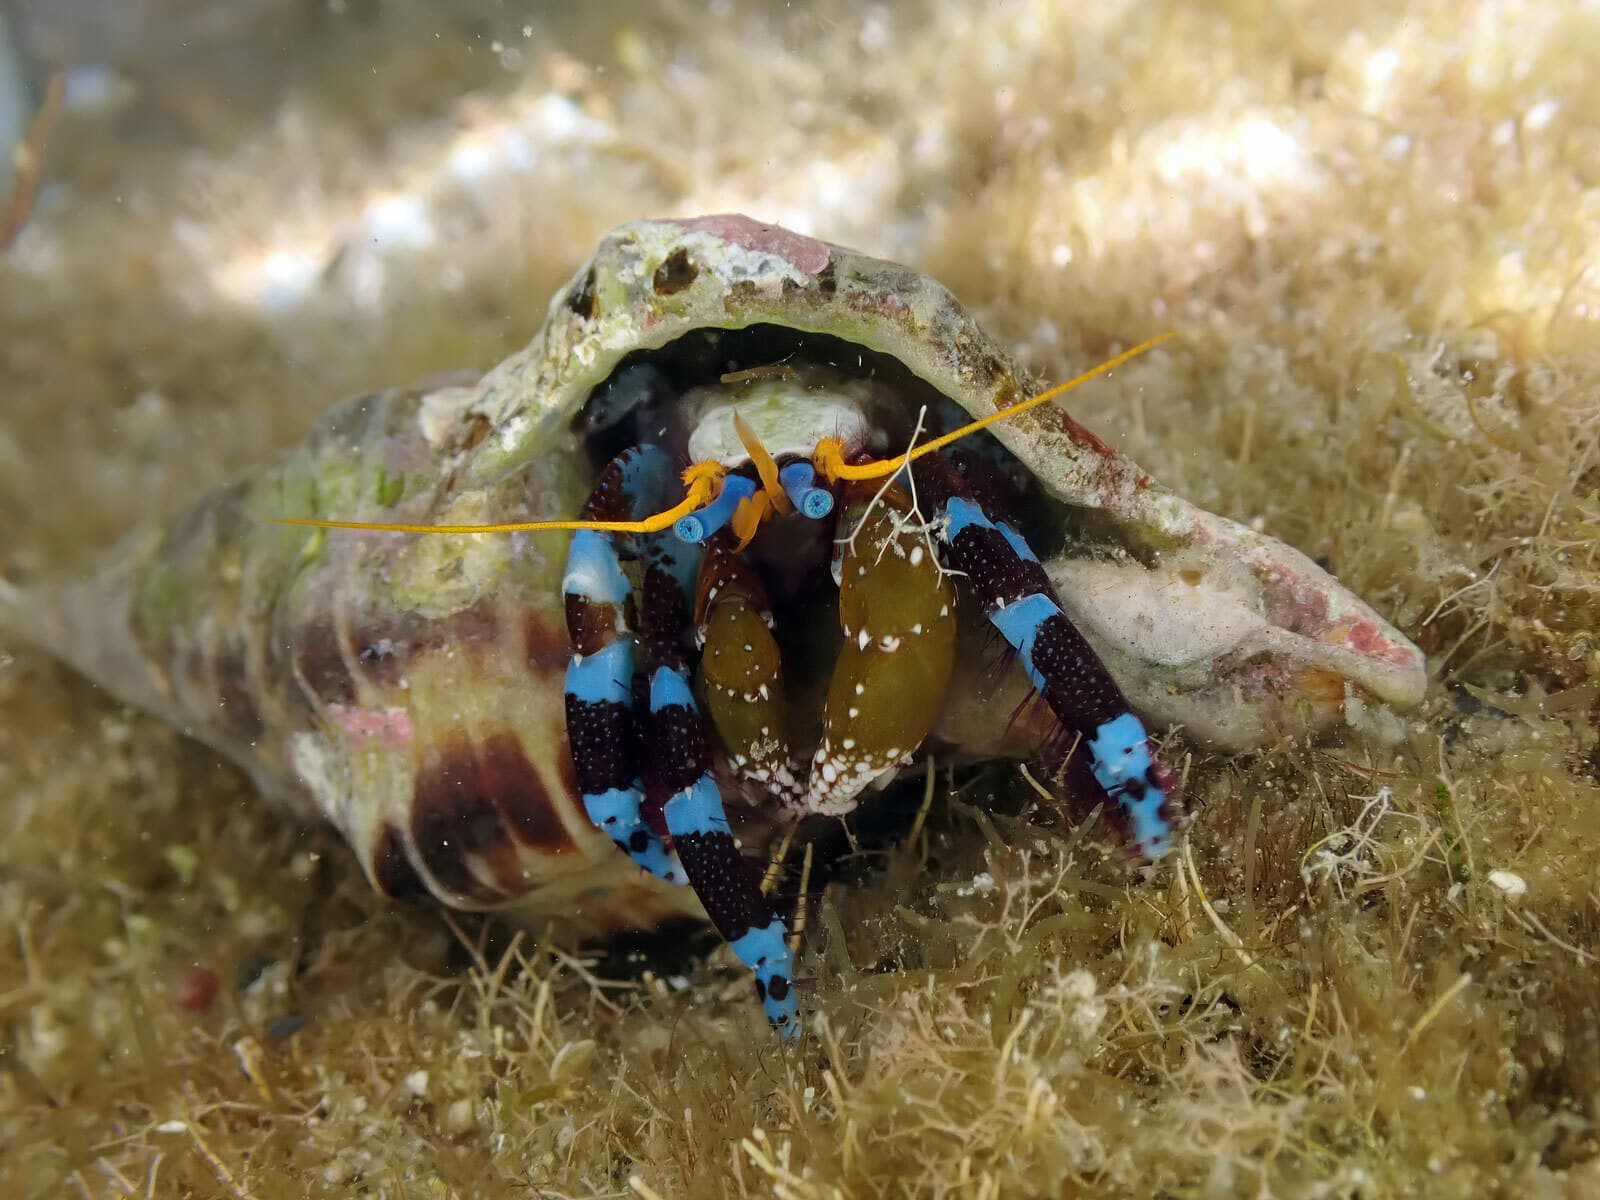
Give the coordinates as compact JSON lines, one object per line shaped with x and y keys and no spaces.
{"x":742,"y":672}
{"x":681,"y":796}
{"x":1022,"y":604}
{"x":601,"y":729}
{"x":897,"y":610}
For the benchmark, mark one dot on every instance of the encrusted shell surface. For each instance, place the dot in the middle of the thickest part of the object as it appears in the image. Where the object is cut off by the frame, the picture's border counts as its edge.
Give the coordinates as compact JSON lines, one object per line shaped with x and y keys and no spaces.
{"x":409,"y":688}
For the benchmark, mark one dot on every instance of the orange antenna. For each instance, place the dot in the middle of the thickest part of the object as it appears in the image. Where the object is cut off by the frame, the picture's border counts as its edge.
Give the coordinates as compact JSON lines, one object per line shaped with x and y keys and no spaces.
{"x":701,"y":480}
{"x":829,"y":456}
{"x":766,"y":466}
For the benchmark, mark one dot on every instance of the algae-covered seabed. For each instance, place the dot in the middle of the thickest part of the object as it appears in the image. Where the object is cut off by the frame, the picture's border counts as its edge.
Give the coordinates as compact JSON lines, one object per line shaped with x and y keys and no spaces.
{"x":1374,"y":972}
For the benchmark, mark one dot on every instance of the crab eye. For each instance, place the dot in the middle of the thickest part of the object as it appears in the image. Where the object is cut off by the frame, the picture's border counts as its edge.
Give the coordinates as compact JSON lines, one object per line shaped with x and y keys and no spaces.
{"x":799,"y":481}
{"x":703,"y":522}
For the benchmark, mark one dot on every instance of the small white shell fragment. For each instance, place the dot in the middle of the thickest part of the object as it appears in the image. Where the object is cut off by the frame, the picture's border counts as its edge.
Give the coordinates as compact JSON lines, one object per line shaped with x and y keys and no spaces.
{"x":570,"y":1059}
{"x":1511,"y":884}
{"x":459,"y":1117}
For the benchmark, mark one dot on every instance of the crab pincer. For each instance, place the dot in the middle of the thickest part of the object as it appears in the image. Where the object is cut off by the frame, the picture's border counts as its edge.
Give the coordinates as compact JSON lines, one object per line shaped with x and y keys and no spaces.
{"x":897,"y":617}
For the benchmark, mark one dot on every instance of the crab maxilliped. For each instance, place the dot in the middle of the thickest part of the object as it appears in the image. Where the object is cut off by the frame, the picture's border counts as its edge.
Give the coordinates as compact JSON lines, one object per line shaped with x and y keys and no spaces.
{"x":762,"y":594}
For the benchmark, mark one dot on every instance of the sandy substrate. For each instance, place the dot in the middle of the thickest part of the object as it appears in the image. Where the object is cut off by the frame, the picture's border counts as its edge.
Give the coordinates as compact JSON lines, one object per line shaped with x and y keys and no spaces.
{"x":1372,"y":972}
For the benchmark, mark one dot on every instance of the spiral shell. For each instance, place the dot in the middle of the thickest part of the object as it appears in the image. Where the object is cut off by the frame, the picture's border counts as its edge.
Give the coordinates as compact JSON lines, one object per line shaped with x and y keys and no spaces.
{"x":409,"y":689}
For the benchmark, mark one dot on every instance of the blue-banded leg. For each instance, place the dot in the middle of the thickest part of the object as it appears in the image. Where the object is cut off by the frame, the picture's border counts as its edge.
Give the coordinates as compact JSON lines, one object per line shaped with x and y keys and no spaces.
{"x":602,"y":730}
{"x":681,"y":794}
{"x":1021,"y":602}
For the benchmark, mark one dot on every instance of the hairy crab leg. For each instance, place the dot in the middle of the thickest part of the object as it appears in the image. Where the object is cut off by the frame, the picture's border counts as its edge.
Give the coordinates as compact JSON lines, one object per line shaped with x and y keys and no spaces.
{"x":897,"y":610}
{"x":681,"y":797}
{"x":1022,"y":603}
{"x":601,"y":729}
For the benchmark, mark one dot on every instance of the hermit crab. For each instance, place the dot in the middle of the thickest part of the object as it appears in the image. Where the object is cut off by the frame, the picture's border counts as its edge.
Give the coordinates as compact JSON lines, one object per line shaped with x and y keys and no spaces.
{"x":751,"y":524}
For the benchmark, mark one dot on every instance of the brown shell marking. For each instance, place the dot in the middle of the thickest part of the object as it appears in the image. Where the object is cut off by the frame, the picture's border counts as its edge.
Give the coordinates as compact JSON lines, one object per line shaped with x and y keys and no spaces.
{"x":392,"y":870}
{"x":481,"y":824}
{"x":472,"y":804}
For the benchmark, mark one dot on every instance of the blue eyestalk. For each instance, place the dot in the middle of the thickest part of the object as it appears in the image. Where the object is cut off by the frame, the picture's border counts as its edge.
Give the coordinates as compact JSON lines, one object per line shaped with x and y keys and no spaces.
{"x":799,"y":481}
{"x":702,"y":523}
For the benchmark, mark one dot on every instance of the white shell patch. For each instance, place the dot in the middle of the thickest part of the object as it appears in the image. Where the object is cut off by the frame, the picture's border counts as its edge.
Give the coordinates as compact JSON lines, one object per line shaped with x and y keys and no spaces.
{"x":786,"y":415}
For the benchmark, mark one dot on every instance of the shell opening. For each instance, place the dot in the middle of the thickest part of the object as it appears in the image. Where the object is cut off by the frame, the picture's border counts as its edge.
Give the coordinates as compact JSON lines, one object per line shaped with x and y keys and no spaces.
{"x":658,"y":395}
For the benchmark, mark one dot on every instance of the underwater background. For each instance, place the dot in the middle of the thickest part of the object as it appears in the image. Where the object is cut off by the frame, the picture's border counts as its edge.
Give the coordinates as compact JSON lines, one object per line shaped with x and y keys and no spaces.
{"x":1376,"y":230}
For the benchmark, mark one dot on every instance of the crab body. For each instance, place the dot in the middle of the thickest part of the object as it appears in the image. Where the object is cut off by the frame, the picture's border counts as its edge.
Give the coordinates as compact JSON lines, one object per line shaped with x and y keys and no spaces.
{"x":645,"y":754}
{"x":488,"y":717}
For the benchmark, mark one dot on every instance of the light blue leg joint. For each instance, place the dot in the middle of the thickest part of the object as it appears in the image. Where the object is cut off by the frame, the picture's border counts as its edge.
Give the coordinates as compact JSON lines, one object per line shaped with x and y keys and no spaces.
{"x":593,"y":571}
{"x":606,"y":676}
{"x":1119,"y":755}
{"x":766,"y":952}
{"x":1019,"y":623}
{"x":616,"y":814}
